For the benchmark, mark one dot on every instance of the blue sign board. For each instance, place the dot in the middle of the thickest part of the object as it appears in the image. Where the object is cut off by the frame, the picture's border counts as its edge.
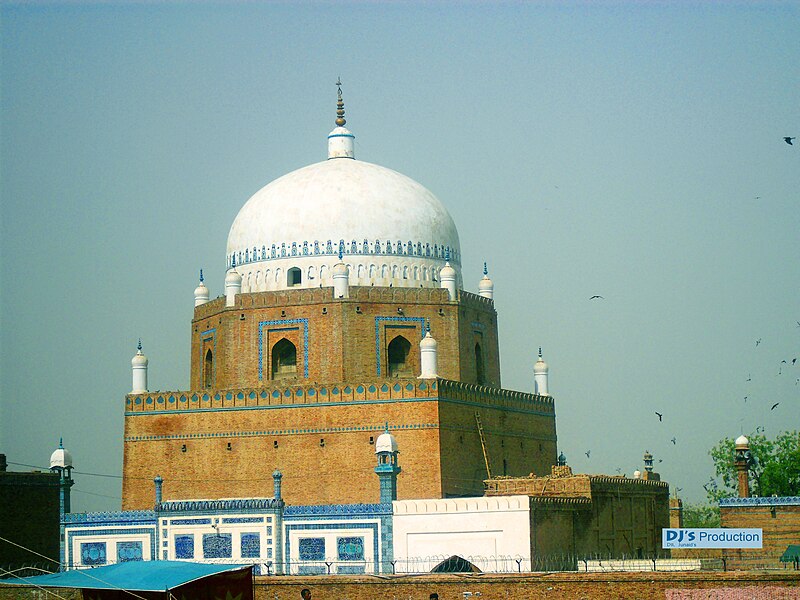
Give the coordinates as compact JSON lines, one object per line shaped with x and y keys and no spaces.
{"x":701,"y":537}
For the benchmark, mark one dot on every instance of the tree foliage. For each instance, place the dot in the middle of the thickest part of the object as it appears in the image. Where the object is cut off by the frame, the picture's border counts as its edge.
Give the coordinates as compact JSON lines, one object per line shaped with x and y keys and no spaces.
{"x":700,"y":515}
{"x":775,"y":470}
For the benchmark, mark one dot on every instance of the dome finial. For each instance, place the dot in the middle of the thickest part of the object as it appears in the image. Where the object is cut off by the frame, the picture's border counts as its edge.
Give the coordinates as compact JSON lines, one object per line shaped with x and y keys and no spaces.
{"x":340,"y":120}
{"x":139,"y":347}
{"x":485,"y":269}
{"x":61,"y":442}
{"x":540,"y":352}
{"x":201,"y":275}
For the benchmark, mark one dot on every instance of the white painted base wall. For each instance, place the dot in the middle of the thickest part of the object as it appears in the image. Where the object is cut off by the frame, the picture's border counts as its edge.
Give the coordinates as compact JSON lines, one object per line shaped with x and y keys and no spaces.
{"x":492,"y":533}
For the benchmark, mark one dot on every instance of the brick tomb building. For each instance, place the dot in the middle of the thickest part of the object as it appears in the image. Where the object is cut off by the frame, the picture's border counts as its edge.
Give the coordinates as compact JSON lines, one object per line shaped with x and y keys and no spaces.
{"x":343,"y":314}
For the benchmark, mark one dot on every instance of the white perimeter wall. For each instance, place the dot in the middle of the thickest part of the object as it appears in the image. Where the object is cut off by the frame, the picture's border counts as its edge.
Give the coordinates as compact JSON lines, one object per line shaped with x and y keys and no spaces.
{"x":492,"y":533}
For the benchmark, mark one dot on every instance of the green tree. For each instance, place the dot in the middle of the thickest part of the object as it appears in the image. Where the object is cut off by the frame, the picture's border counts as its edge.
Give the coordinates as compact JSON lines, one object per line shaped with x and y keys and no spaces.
{"x":700,"y":515}
{"x":775,"y":469}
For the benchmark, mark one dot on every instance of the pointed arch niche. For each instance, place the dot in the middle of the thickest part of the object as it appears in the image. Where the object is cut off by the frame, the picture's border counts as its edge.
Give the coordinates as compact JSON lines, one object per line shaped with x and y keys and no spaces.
{"x":284,"y":360}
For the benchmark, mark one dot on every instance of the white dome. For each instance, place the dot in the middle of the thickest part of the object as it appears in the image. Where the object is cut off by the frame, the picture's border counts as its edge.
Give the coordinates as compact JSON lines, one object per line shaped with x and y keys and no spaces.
{"x":385,"y":443}
{"x":139,"y":359}
{"x":428,"y":341}
{"x":392,"y":229}
{"x":61,"y":458}
{"x":742,"y":441}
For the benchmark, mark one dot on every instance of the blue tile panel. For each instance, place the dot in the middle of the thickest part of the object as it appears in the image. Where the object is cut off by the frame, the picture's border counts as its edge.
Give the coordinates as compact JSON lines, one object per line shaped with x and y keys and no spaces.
{"x":214,"y":506}
{"x":93,"y":553}
{"x":329,"y":526}
{"x":291,"y":513}
{"x":280,"y":323}
{"x":190,"y":522}
{"x":127,"y":517}
{"x":184,"y":546}
{"x":278,"y":250}
{"x":350,"y":548}
{"x":761,"y":501}
{"x":75,"y":533}
{"x":311,"y":549}
{"x":244,"y":520}
{"x":129,"y":551}
{"x":379,"y":320}
{"x":217,"y":545}
{"x":251,"y":545}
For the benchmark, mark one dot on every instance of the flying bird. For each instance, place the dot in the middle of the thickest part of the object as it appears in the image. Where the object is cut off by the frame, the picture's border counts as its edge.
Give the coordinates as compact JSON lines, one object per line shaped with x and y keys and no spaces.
{"x":659,"y":415}
{"x":595,"y":297}
{"x":673,"y":441}
{"x":745,"y":398}
{"x":794,"y":360}
{"x":774,"y":406}
{"x":788,"y":140}
{"x":587,"y":453}
{"x":748,"y":377}
{"x":758,"y":341}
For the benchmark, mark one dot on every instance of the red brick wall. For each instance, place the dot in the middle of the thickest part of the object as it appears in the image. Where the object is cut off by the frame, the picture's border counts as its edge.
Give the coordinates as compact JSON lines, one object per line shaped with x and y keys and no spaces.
{"x":428,"y":423}
{"x":780,"y":525}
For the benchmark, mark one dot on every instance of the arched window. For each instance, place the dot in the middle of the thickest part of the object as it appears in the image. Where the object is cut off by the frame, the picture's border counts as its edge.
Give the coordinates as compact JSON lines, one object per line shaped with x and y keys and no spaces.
{"x":481,"y":373}
{"x":398,"y":351}
{"x":293,"y":276}
{"x":284,"y":359}
{"x":208,"y":369}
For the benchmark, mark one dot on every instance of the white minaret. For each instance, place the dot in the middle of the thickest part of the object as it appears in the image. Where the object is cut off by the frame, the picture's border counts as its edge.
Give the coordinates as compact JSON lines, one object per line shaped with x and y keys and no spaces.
{"x":447,"y":277}
{"x":139,"y":368}
{"x":341,"y":140}
{"x":540,"y":370}
{"x":427,"y":355}
{"x":233,"y":286}
{"x":486,"y":286}
{"x":200,"y":292}
{"x":341,"y":277}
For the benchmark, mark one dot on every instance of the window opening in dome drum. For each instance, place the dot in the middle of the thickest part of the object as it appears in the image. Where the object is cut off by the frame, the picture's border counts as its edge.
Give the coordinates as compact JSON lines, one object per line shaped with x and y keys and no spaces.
{"x":398,"y":351}
{"x":284,"y":359}
{"x":208,"y":369}
{"x":293,"y":276}
{"x":479,"y":369}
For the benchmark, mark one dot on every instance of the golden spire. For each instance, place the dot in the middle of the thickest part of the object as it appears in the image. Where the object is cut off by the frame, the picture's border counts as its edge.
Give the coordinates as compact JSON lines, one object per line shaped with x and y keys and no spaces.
{"x":340,"y":120}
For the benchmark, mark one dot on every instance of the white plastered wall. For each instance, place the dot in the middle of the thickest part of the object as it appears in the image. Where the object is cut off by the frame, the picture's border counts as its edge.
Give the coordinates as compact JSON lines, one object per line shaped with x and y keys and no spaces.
{"x":492,"y":533}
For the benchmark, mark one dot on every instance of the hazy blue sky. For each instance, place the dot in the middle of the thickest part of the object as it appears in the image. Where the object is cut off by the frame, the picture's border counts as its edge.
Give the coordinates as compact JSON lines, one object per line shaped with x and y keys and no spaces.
{"x":618,"y":149}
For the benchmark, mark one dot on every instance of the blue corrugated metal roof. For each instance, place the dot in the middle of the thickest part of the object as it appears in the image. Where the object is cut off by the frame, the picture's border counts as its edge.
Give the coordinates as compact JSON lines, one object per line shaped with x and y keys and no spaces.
{"x":140,"y":576}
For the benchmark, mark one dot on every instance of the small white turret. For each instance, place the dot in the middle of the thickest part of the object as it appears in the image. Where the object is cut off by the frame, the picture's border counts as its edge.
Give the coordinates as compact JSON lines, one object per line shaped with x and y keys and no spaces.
{"x":427,"y":353}
{"x":341,"y":278}
{"x":447,"y":277}
{"x":139,"y":368}
{"x":486,"y":286}
{"x":540,"y":372}
{"x":233,"y":286}
{"x":61,"y":458}
{"x":200,"y":292}
{"x":341,"y":140}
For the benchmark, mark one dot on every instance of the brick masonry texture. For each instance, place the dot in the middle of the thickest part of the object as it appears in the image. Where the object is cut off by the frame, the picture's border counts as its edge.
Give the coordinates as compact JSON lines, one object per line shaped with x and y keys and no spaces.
{"x":321,"y":443}
{"x":540,"y":586}
{"x":780,"y":525}
{"x":533,"y":586}
{"x":240,"y":422}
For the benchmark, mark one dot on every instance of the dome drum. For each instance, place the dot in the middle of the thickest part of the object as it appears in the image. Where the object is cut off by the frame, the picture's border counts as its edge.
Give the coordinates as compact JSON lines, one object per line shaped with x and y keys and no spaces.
{"x":365,"y":268}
